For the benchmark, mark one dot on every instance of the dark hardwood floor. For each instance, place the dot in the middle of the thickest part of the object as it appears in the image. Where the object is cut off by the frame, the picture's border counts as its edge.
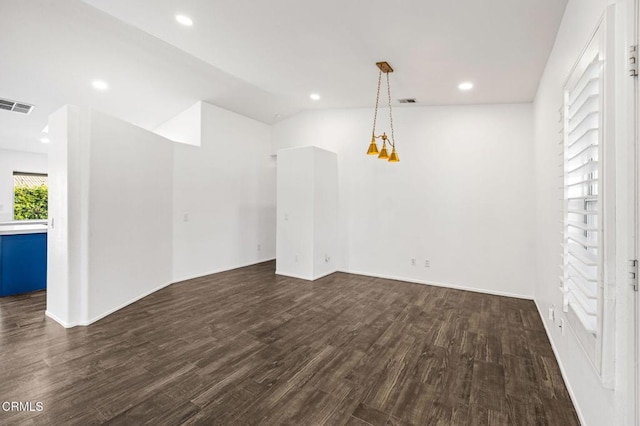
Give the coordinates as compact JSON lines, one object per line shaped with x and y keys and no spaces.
{"x":249,"y":347}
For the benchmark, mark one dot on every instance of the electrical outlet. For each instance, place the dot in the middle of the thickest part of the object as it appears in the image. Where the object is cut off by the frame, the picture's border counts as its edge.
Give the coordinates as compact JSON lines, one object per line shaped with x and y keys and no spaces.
{"x":296,"y":258}
{"x":327,"y":258}
{"x":413,"y":261}
{"x":552,"y":314}
{"x":259,"y":247}
{"x":185,"y":217}
{"x":427,"y":264}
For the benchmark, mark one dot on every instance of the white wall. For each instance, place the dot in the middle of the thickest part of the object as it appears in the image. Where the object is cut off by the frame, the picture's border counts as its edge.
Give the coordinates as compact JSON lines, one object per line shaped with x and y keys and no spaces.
{"x":130,"y":214}
{"x":325,"y":206}
{"x":134,"y":211}
{"x":461,"y":196}
{"x":110,"y":216}
{"x":64,"y":296}
{"x":307,"y":212}
{"x":595,"y":404}
{"x":224,"y":196}
{"x":185,"y":127}
{"x":16,"y":161}
{"x":295,"y":214}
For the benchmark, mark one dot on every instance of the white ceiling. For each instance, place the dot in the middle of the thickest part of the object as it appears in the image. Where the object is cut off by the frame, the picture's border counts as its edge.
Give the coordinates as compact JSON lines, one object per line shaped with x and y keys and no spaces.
{"x":263,"y":59}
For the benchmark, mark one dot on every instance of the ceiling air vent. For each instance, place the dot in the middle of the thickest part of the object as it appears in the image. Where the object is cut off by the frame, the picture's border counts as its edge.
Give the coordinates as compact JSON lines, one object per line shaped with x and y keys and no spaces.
{"x":14,"y":106}
{"x":407,"y":101}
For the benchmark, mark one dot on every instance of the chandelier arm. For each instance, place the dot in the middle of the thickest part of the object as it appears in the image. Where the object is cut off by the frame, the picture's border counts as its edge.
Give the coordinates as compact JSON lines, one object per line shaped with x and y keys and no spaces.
{"x":375,"y":113}
{"x":393,"y":139}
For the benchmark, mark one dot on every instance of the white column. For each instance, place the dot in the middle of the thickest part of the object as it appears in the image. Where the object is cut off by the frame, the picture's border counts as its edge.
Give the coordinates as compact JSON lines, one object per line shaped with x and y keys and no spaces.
{"x":307,"y":204}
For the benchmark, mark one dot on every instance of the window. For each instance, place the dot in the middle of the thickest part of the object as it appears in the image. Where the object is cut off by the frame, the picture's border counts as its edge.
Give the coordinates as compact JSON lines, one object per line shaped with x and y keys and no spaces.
{"x":582,"y":203}
{"x":588,"y":205}
{"x":30,"y":196}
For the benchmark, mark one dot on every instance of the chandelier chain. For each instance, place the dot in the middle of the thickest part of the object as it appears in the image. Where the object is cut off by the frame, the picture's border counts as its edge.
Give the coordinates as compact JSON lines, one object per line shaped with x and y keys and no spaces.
{"x":393,"y":139}
{"x":375,"y":113}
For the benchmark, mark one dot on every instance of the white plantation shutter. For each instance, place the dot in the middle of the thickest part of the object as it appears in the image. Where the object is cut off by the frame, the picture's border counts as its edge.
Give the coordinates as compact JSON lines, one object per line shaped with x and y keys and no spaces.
{"x":588,"y":280}
{"x":582,"y":115}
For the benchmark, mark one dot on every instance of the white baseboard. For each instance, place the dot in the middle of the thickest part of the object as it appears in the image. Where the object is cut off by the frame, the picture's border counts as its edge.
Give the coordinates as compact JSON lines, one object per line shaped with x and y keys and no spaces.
{"x":127,"y":303}
{"x":562,"y":371}
{"x":59,"y":321}
{"x":306,"y":278}
{"x":300,"y":277}
{"x":437,"y":284}
{"x":326,"y":274}
{"x":217,"y":271}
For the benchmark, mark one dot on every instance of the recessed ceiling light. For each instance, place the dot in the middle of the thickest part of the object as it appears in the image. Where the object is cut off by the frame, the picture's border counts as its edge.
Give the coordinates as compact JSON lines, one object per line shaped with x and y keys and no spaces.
{"x":184,"y":20}
{"x":100,"y":85}
{"x":314,"y":97}
{"x":467,"y":85}
{"x":44,"y":140}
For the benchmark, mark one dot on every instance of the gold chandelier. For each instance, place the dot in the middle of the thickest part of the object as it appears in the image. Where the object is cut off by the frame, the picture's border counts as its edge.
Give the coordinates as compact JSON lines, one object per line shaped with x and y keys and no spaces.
{"x":373,"y":148}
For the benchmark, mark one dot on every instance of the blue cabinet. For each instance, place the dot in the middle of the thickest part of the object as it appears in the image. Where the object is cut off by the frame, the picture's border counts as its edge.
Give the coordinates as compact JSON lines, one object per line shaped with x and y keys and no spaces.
{"x":23,"y":263}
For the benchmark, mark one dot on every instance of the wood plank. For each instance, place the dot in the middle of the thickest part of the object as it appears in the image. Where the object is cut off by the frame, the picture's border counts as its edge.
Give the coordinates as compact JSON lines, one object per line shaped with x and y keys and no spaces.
{"x":249,"y":347}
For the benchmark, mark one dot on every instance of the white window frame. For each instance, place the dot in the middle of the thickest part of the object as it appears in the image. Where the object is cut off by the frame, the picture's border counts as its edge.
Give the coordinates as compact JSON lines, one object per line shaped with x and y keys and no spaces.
{"x":598,"y":346}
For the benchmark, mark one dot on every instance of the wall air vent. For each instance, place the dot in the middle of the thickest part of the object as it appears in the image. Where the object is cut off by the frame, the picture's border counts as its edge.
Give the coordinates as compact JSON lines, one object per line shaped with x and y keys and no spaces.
{"x":407,"y":101}
{"x":14,"y":106}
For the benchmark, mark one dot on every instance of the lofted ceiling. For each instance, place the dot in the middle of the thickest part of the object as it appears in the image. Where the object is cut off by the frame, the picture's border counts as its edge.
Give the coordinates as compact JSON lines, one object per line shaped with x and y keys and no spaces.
{"x":263,"y":59}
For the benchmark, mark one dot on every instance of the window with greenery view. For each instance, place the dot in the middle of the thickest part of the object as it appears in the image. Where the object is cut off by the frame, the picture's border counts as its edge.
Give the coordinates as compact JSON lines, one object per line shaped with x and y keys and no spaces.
{"x":30,"y":196}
